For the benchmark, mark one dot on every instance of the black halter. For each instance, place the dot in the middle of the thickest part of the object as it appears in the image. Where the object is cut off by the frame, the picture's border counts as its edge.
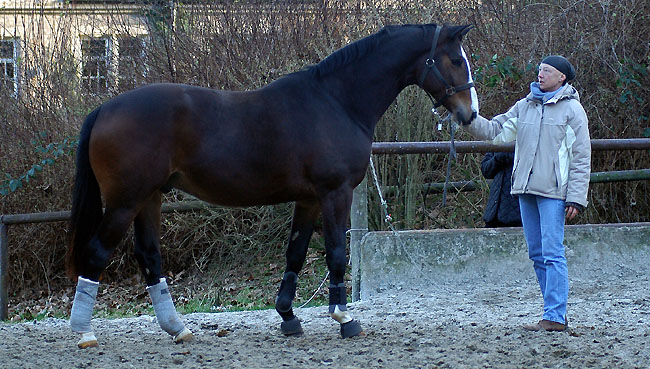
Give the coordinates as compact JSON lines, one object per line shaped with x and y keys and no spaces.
{"x":430,"y":63}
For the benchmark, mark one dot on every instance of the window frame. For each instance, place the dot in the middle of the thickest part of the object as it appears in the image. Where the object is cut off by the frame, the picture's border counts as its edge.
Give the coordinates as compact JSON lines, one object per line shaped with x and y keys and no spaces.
{"x":14,"y":61}
{"x":88,"y":80}
{"x":136,"y":66}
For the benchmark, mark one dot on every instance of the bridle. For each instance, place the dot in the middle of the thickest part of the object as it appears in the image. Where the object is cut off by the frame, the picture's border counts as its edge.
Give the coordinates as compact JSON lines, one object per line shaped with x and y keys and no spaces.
{"x":430,"y":64}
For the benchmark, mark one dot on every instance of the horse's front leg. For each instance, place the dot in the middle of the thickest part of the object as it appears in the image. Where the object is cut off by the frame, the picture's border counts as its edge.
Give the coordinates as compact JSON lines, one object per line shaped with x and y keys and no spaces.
{"x":302,"y":227}
{"x":336,"y":209}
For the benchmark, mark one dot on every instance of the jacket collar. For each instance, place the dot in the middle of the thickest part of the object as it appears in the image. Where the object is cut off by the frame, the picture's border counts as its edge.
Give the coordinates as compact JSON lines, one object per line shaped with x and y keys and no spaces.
{"x":566,"y":92}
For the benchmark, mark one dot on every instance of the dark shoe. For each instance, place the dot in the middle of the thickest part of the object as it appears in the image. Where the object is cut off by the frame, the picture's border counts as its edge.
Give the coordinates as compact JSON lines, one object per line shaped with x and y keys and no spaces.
{"x":546,"y":325}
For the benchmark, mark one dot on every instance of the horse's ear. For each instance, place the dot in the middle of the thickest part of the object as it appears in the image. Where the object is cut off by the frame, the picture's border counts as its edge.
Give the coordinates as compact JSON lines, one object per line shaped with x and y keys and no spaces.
{"x":466,"y":28}
{"x":460,"y":31}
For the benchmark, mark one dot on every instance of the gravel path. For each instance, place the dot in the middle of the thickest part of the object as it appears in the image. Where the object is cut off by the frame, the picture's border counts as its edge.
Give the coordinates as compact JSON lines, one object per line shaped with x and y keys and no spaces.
{"x":458,"y":320}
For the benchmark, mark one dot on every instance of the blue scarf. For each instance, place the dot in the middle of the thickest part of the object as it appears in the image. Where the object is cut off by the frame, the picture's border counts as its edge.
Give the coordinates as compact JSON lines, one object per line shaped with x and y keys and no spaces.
{"x":541,"y":95}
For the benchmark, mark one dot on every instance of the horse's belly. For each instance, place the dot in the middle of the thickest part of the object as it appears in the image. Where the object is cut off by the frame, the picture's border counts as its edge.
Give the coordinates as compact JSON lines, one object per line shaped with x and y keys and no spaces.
{"x":246,"y":193}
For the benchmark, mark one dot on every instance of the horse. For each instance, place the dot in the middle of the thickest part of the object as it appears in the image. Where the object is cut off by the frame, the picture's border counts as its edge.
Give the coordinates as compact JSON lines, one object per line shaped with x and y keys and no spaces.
{"x":304,"y":138}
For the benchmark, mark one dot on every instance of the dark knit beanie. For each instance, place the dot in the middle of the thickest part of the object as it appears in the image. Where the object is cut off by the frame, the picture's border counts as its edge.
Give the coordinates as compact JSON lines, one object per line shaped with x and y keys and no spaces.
{"x":562,"y":64}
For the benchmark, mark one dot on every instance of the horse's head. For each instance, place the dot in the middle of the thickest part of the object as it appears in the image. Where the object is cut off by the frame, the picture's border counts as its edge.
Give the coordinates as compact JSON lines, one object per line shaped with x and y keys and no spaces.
{"x":444,"y":72}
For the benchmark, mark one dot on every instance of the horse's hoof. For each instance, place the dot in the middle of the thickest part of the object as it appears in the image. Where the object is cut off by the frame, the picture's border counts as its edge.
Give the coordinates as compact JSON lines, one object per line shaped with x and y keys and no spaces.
{"x":87,"y":340}
{"x":351,"y":329}
{"x":291,"y":327}
{"x":185,"y":336}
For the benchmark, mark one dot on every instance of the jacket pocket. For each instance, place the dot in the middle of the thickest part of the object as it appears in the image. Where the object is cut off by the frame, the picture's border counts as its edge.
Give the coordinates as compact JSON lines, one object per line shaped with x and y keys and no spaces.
{"x":558,"y":176}
{"x":514,"y":174}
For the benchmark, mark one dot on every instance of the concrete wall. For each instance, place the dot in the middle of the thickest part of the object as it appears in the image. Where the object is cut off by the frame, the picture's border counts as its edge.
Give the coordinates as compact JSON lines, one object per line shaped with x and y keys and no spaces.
{"x":414,"y":258}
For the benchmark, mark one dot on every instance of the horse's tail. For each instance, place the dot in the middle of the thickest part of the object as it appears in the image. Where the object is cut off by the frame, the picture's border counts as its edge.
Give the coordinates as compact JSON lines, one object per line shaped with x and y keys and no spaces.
{"x":86,"y":203}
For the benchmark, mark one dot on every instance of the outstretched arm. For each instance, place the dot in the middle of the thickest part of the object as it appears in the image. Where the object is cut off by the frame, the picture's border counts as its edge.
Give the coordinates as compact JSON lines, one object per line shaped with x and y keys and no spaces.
{"x":498,"y":130}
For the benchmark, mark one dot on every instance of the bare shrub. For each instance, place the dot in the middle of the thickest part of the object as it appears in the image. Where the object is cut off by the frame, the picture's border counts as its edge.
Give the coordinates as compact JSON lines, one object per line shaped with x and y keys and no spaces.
{"x":245,"y":45}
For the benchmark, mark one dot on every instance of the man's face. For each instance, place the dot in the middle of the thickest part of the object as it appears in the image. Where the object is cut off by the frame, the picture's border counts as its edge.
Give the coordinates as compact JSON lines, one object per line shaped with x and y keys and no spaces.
{"x":550,"y":79}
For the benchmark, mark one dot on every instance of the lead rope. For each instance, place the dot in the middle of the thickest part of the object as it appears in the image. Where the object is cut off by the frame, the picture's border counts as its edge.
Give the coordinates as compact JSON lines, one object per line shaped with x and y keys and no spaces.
{"x":452,"y":147}
{"x":317,"y":290}
{"x":384,"y":205}
{"x":452,"y":156}
{"x":389,"y":220}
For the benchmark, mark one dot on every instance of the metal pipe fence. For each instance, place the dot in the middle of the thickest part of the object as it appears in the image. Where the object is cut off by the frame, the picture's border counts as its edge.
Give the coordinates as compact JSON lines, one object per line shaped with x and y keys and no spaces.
{"x":442,"y":147}
{"x":359,"y":213}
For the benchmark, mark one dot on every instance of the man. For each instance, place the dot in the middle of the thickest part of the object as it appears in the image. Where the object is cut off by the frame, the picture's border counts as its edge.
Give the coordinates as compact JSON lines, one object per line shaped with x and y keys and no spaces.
{"x":550,"y":176}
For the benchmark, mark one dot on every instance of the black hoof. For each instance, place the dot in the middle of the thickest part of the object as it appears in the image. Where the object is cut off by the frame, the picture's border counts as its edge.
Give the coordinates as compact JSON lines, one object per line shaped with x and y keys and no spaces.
{"x":291,"y":327}
{"x":350,"y":329}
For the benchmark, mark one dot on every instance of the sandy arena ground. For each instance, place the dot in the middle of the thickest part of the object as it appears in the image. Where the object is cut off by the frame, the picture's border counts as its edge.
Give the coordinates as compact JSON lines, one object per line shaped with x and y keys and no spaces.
{"x":459,"y":321}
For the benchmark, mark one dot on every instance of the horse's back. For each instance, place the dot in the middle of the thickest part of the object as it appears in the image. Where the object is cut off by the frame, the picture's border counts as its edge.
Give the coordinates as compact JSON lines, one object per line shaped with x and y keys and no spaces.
{"x":270,"y":145}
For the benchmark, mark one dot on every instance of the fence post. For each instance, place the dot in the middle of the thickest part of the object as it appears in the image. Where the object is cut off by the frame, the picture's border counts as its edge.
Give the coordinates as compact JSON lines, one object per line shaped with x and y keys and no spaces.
{"x":358,"y":228}
{"x":4,"y":273}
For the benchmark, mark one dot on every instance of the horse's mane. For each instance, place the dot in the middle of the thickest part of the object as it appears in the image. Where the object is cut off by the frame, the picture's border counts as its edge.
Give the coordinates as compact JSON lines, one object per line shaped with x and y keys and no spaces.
{"x":348,"y":54}
{"x":353,"y":51}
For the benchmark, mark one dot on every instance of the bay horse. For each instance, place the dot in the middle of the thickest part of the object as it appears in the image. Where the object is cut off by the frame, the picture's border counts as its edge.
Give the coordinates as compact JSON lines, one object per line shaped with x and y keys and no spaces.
{"x":304,"y":138}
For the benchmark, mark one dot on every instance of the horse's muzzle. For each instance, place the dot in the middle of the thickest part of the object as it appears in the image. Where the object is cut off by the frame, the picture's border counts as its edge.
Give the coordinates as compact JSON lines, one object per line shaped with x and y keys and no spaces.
{"x":465,"y":119}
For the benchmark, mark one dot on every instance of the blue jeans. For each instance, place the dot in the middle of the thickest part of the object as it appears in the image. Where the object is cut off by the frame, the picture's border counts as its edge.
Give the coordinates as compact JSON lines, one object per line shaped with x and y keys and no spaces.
{"x":543,"y":222}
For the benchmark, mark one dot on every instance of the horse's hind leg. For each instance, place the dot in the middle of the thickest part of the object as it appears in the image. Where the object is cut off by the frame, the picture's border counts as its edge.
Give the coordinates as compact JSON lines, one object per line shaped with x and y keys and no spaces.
{"x":147,"y":252}
{"x":111,"y":230}
{"x":302,"y":227}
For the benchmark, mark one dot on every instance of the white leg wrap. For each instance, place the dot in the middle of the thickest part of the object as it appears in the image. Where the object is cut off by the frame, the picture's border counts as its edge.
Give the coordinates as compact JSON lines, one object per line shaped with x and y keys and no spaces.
{"x":341,"y":316}
{"x":82,"y":306}
{"x":164,"y":308}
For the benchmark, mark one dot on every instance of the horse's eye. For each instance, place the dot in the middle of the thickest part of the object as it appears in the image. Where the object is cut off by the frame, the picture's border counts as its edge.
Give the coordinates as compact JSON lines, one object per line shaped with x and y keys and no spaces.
{"x":457,"y":62}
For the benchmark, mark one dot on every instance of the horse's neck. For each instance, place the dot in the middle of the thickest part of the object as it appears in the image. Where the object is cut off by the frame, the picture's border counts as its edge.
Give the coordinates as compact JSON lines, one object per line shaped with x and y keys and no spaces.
{"x":368,"y":87}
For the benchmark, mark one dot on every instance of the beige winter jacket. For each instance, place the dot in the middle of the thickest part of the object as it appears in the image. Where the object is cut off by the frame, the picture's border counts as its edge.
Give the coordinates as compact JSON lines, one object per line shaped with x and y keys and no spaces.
{"x":552,"y":145}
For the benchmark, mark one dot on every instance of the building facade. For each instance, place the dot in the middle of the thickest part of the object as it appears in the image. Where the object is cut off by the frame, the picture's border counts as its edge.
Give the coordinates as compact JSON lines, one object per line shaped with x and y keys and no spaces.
{"x":103,"y":42}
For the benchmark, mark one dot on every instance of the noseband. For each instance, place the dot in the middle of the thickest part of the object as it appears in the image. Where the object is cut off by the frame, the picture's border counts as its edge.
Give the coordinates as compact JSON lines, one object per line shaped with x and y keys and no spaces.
{"x":430,"y":64}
